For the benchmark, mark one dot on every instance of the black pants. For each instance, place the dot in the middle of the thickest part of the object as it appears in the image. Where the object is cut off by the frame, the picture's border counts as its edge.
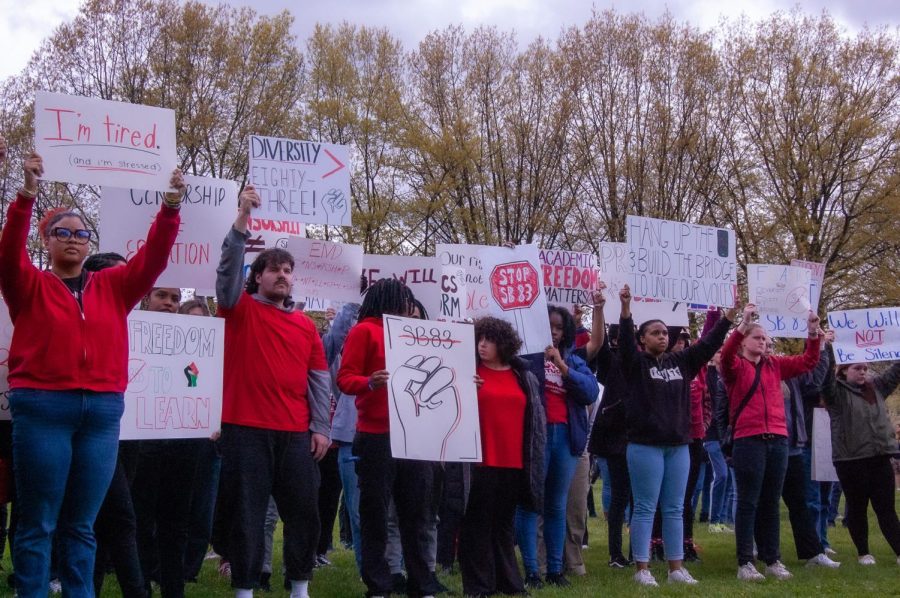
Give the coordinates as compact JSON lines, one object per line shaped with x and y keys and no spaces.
{"x":803,"y":520}
{"x":620,"y":498}
{"x":116,"y":531}
{"x":698,"y":458}
{"x":410,"y":483}
{"x":256,"y":464}
{"x":487,"y":554}
{"x":450,"y":513}
{"x":865,"y":480}
{"x":203,"y":503}
{"x":329,"y":496}
{"x":161,"y":492}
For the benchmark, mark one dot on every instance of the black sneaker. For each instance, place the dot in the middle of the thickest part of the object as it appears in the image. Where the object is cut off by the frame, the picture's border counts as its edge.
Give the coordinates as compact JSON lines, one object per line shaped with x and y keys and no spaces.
{"x":322,"y":561}
{"x":557,"y":579}
{"x":265,"y":581}
{"x":690,"y":553}
{"x":620,"y":562}
{"x":533,"y":582}
{"x":439,"y":588}
{"x":398,"y":583}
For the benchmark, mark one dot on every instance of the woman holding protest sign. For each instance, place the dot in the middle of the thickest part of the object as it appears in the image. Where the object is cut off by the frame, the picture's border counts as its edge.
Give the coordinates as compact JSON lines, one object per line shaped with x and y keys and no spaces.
{"x":862,"y":442}
{"x":760,"y":445}
{"x":67,"y":376}
{"x":513,"y":423}
{"x":658,"y":418}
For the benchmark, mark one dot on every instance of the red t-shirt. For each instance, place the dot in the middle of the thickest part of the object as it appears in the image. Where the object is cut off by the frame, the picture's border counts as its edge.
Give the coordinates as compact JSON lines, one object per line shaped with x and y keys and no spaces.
{"x":501,"y":409}
{"x":268,"y":353}
{"x":555,"y":393}
{"x":363,"y":354}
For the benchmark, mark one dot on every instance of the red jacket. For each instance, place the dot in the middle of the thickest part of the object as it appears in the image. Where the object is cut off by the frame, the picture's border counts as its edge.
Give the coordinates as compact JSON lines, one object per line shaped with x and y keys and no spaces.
{"x":57,"y":345}
{"x":700,"y":406}
{"x":364,"y":354}
{"x":764,"y":414}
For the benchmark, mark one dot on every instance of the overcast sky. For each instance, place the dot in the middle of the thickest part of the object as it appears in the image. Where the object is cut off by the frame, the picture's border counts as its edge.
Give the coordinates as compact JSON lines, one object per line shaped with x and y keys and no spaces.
{"x":24,"y":24}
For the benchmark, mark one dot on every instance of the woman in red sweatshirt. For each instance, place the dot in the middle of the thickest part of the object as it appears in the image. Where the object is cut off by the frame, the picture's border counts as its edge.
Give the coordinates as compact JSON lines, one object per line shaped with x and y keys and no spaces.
{"x":760,"y":453}
{"x":68,"y":369}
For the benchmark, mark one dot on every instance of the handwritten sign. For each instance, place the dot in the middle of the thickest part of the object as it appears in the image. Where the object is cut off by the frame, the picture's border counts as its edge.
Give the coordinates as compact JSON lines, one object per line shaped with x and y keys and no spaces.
{"x":569,"y":277}
{"x":682,"y":262}
{"x":866,"y":335}
{"x":174,"y":376}
{"x":781,"y":293}
{"x":6,"y":331}
{"x":326,"y":270}
{"x":517,"y":294}
{"x":816,"y":280}
{"x":453,"y":294}
{"x":822,"y":465}
{"x":468,"y":258}
{"x":303,"y":181}
{"x":99,"y":142}
{"x":419,"y":273}
{"x":615,"y":273}
{"x":207,"y":213}
{"x":433,"y":402}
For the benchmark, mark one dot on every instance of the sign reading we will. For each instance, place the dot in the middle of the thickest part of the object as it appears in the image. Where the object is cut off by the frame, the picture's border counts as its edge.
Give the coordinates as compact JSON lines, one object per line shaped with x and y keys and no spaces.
{"x":207,"y":213}
{"x":174,"y":376}
{"x":304,"y":181}
{"x":99,"y":142}
{"x":325,"y":270}
{"x":682,"y":262}
{"x":866,"y":335}
{"x":781,"y":293}
{"x":417,"y":272}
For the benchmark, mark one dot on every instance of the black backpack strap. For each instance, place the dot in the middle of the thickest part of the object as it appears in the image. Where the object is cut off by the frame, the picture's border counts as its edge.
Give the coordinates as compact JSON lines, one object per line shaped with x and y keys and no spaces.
{"x":750,"y":394}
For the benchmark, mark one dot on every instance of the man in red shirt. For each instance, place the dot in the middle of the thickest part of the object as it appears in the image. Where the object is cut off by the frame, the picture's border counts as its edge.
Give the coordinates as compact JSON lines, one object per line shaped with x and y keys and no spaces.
{"x":275,"y":412}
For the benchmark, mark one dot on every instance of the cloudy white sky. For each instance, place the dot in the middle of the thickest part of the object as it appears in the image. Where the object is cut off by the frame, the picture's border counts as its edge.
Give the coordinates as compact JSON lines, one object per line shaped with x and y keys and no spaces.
{"x":24,"y":24}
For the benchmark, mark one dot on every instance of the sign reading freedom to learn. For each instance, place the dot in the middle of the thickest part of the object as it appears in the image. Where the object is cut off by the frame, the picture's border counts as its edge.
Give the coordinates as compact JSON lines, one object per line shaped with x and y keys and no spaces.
{"x":303,"y":181}
{"x":682,"y":262}
{"x":98,"y":142}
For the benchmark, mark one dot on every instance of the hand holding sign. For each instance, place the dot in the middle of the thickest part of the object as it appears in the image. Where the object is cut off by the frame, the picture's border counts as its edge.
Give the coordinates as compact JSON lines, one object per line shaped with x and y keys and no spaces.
{"x":424,"y":389}
{"x":378,"y":379}
{"x":34,"y":169}
{"x":749,"y":316}
{"x":813,"y":324}
{"x":248,"y":200}
{"x":176,"y":182}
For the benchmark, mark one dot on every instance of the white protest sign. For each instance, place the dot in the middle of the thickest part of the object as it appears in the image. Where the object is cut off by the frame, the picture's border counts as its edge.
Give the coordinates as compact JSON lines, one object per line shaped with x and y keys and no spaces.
{"x":453,"y":294}
{"x":417,"y":272}
{"x":207,"y":212}
{"x":468,"y":258}
{"x":781,"y":293}
{"x":516,"y":293}
{"x":326,"y":270}
{"x":614,"y":272}
{"x":816,"y":280}
{"x":433,"y":402}
{"x":99,"y":142}
{"x":303,"y":181}
{"x":822,"y":466}
{"x":174,"y":376}
{"x":6,"y":331}
{"x":682,"y":262}
{"x":569,"y":277}
{"x":866,"y":335}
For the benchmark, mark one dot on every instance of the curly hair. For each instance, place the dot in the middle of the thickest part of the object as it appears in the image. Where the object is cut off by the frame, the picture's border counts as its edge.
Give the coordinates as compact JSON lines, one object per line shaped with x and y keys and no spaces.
{"x":386,"y":296}
{"x":567,"y":343}
{"x":269,"y":257}
{"x":501,"y":333}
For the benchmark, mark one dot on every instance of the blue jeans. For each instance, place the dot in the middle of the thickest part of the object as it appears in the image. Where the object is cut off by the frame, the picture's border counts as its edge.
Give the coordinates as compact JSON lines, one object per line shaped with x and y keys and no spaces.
{"x":64,"y":454}
{"x":658,"y":474}
{"x":729,"y":505}
{"x":350,"y":484}
{"x":759,"y":469}
{"x":720,"y":479}
{"x":606,"y":492}
{"x":560,"y":466}
{"x":814,"y":499}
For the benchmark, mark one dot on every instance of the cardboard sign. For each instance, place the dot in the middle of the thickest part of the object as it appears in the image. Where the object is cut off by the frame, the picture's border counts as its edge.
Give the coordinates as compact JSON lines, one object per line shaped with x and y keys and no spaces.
{"x":174,"y":376}
{"x":615,"y":273}
{"x":207,"y":212}
{"x":866,"y":335}
{"x":822,"y":466}
{"x":6,"y":332}
{"x":432,"y":399}
{"x":419,"y":273}
{"x":301,"y":181}
{"x":682,"y":262}
{"x":325,"y":270}
{"x":569,"y":277}
{"x":98,"y":142}
{"x":516,"y":293}
{"x":781,"y":293}
{"x":468,"y":258}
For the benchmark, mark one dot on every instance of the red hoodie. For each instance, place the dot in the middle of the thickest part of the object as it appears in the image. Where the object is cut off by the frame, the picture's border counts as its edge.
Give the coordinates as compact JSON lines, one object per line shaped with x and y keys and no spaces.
{"x":364,"y":354}
{"x":764,"y":414}
{"x":57,"y":345}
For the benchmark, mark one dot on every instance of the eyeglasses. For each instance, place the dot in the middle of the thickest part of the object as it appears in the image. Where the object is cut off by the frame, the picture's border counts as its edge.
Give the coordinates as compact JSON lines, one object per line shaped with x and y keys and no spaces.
{"x":81,"y":236}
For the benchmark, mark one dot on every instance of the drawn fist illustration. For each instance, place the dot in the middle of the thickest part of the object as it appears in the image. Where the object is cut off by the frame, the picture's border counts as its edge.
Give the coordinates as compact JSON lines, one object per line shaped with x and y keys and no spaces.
{"x":427,"y":403}
{"x":335,"y":205}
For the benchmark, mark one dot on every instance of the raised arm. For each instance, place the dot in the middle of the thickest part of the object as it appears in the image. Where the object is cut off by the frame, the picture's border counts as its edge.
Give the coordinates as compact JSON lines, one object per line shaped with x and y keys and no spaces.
{"x":17,"y":274}
{"x":699,"y":354}
{"x":230,"y":273}
{"x":598,"y":326}
{"x":628,"y":349}
{"x":728,"y":361}
{"x":889,"y":380}
{"x":794,"y":366}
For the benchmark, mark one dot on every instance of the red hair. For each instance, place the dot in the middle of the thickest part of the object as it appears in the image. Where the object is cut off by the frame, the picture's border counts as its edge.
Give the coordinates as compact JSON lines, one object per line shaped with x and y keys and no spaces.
{"x":52,"y":217}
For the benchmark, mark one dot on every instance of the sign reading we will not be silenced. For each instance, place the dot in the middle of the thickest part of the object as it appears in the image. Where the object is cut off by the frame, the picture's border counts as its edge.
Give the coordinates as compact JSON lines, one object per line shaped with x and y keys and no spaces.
{"x":207,"y":212}
{"x":99,"y":142}
{"x":304,"y":181}
{"x":866,"y":335}
{"x":682,"y":262}
{"x":781,"y":293}
{"x":325,"y":270}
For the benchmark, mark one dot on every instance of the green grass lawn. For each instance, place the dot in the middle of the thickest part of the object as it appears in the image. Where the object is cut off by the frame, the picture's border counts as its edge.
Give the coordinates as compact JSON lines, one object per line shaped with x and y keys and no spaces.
{"x":716,"y":572}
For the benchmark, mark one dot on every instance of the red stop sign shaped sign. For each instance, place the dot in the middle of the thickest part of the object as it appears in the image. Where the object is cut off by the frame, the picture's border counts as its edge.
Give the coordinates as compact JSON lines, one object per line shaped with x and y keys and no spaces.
{"x":514,"y":285}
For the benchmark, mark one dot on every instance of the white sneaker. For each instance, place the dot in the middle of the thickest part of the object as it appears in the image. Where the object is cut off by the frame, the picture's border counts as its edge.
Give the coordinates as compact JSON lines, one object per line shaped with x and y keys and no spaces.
{"x":867,"y":559}
{"x":747,"y":572}
{"x":645,"y":578}
{"x":55,"y":586}
{"x":830,"y":551}
{"x":778,"y":571}
{"x":681,"y":576}
{"x":822,"y":560}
